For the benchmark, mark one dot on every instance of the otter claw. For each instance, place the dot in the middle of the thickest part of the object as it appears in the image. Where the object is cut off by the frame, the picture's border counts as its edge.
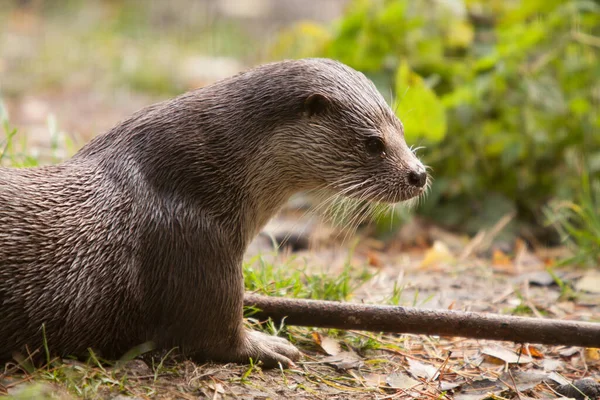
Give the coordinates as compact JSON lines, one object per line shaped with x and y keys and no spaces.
{"x":271,"y":350}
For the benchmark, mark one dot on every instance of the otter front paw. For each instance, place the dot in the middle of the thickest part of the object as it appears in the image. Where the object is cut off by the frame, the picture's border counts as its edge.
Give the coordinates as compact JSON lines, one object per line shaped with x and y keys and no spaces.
{"x":271,"y":350}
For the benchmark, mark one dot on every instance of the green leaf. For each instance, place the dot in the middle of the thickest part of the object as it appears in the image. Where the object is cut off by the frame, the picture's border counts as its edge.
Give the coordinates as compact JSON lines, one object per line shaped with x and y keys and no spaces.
{"x":418,"y":107}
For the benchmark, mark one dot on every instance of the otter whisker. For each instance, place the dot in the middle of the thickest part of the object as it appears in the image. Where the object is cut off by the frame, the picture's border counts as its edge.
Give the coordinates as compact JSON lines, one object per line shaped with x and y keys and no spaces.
{"x":414,"y":149}
{"x":350,"y":228}
{"x":363,"y":211}
{"x":347,"y":207}
{"x":322,"y":204}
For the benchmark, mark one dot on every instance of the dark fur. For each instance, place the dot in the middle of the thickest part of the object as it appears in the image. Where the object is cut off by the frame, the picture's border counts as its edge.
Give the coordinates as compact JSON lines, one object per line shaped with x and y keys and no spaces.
{"x":140,"y":236}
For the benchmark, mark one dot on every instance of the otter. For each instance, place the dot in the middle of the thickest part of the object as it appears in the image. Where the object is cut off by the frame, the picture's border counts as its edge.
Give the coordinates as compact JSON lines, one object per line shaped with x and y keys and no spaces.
{"x":139,"y":237}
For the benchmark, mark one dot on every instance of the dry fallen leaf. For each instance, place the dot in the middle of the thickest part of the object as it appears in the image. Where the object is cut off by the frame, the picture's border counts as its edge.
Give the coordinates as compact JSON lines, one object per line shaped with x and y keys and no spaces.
{"x":329,"y":346}
{"x":421,"y":370}
{"x":532,"y":351}
{"x":558,"y":378}
{"x":373,"y":259}
{"x":506,"y":355}
{"x":398,"y":380}
{"x":591,"y":355}
{"x":551,"y":364}
{"x":374,"y":380}
{"x":316,"y":338}
{"x":438,"y":253}
{"x":590,"y":282}
{"x":500,"y":259}
{"x":479,"y":390}
{"x":447,"y":386}
{"x":570,"y":351}
{"x":522,"y":380}
{"x":344,"y":360}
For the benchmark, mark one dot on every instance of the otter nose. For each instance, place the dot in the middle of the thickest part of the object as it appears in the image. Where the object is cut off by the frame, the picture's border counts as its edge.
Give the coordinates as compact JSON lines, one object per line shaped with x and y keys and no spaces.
{"x":417,"y":178}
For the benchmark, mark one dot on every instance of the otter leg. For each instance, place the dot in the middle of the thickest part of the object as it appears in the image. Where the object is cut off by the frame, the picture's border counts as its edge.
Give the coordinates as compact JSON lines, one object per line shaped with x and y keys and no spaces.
{"x":244,"y":344}
{"x":196,"y":288}
{"x":249,"y":344}
{"x":269,"y":349}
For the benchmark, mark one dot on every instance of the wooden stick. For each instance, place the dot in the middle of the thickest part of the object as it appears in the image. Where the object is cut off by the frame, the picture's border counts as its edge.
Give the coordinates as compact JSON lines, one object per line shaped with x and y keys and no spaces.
{"x":392,"y":319}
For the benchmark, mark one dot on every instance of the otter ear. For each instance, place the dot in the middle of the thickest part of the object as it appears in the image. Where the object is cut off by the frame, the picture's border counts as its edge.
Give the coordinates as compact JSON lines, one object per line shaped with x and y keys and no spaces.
{"x":316,"y":104}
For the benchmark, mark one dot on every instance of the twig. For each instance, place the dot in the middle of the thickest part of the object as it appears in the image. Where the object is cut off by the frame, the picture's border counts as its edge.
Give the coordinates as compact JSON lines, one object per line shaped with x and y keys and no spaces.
{"x":393,"y":319}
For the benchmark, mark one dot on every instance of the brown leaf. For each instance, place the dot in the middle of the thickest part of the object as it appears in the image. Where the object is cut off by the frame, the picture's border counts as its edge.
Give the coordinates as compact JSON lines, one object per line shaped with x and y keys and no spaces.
{"x":532,"y":351}
{"x":317,"y":338}
{"x":506,"y":355}
{"x":373,"y":259}
{"x":500,"y":259}
{"x":592,"y":355}
{"x":437,"y":254}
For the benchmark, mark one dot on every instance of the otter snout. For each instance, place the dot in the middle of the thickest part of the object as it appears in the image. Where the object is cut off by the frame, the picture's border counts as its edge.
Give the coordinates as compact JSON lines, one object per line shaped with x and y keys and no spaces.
{"x":417,"y":177}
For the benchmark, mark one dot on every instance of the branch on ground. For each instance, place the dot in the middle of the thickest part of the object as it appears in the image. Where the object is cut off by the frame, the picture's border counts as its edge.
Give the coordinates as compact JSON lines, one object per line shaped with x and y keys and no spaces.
{"x":395,"y":319}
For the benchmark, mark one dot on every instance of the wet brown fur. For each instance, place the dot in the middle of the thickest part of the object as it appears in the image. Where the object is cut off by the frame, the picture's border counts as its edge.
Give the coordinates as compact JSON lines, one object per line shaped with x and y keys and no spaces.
{"x":140,"y":236}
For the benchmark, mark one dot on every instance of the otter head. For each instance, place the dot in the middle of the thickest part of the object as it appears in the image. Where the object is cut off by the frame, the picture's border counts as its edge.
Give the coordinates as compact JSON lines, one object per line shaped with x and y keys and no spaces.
{"x":350,"y":139}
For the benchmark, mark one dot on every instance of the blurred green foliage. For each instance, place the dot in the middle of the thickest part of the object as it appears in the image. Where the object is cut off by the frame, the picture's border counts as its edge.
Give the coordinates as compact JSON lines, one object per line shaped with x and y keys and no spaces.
{"x":504,"y":94}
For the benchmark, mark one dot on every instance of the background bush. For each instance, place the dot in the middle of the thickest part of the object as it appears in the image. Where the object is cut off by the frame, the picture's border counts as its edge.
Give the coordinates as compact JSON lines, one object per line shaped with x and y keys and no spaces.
{"x":503,"y":94}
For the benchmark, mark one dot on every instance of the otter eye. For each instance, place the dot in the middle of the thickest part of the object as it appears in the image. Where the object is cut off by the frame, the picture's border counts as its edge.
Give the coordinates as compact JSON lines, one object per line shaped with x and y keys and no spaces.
{"x":375,"y":146}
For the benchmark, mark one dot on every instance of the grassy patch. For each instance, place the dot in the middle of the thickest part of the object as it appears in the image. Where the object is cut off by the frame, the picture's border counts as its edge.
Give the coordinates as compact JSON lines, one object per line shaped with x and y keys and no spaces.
{"x":578,"y":222}
{"x":288,"y":280}
{"x":10,"y":132}
{"x":14,"y":149}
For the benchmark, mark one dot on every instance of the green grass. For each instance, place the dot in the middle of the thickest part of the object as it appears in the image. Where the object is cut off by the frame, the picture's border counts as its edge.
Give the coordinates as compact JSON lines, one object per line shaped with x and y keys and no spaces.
{"x":9,"y":133}
{"x":270,"y":279}
{"x":14,"y":151}
{"x":578,"y":222}
{"x":90,"y":379}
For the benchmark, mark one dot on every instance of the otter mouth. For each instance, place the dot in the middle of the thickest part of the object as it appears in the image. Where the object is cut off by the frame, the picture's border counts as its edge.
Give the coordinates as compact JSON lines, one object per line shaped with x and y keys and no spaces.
{"x":400,"y":196}
{"x":407,"y":195}
{"x":381,"y":188}
{"x":385,"y":194}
